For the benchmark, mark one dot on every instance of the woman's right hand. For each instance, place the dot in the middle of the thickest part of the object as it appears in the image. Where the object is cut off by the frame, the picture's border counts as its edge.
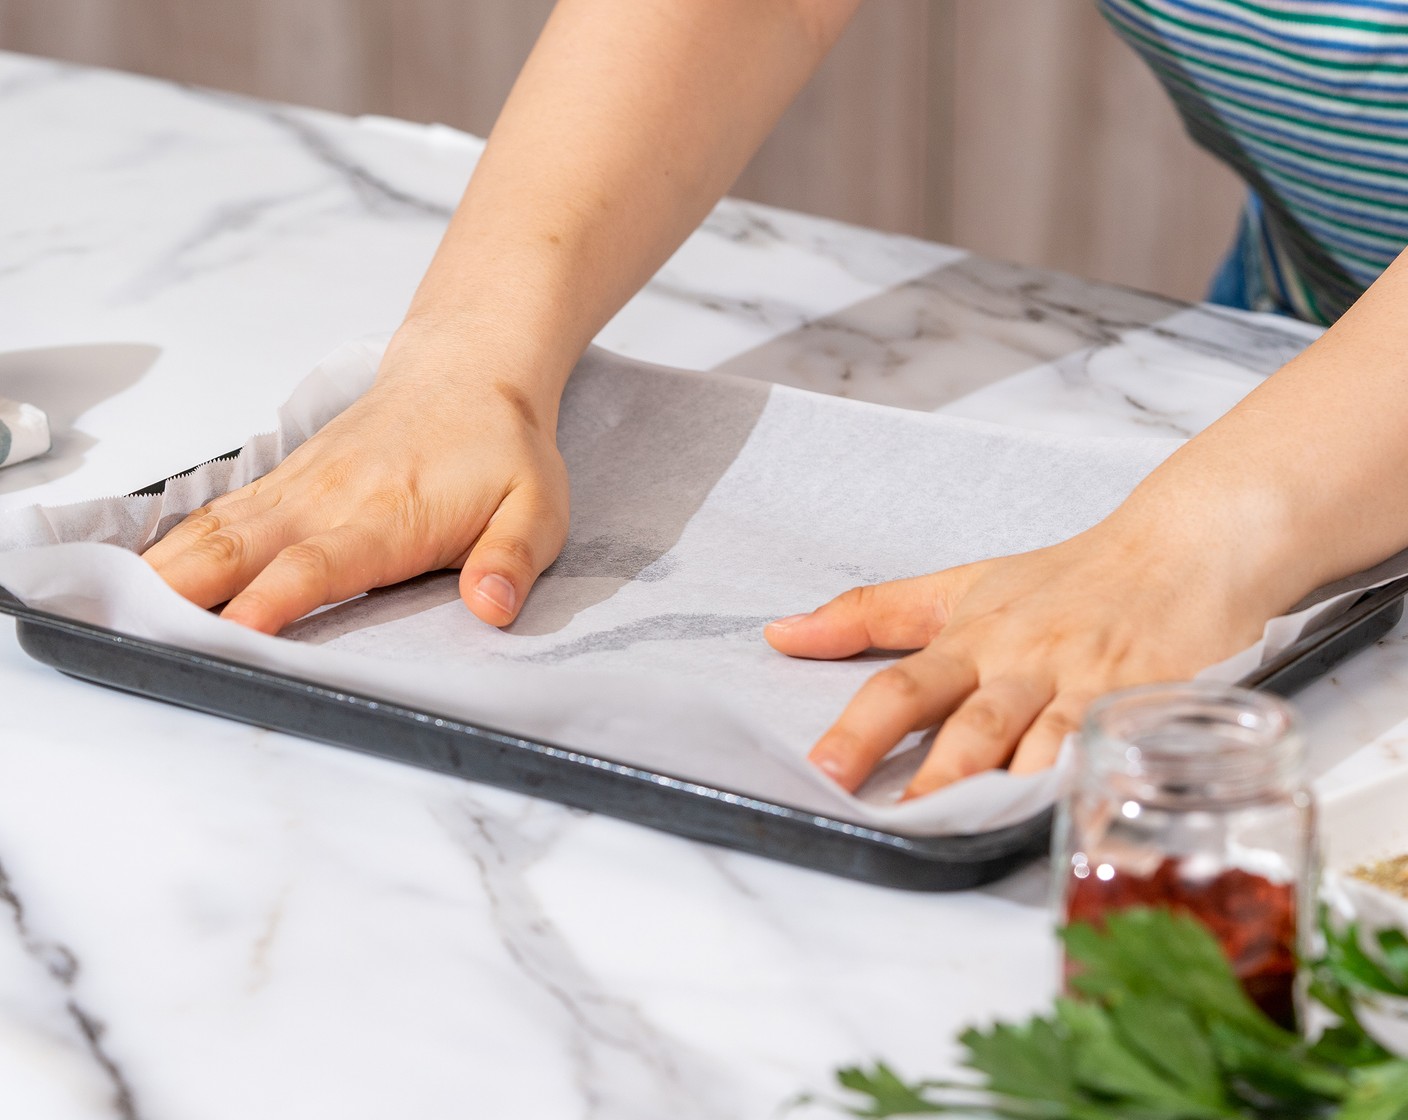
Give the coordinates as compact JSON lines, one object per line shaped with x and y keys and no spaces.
{"x":627,"y":123}
{"x":444,"y":463}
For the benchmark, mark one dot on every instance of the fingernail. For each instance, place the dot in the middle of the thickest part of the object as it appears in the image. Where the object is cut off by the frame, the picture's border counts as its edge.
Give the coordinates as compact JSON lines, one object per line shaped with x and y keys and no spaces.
{"x":498,"y":591}
{"x":783,"y":623}
{"x":831,"y":767}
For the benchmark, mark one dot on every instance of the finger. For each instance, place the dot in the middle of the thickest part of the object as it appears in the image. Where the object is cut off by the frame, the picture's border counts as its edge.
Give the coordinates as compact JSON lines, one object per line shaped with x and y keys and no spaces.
{"x":981,"y":734}
{"x":521,"y":539}
{"x":220,"y":512}
{"x":913,"y":693}
{"x":326,"y":568}
{"x":221,"y":556}
{"x":1042,"y":742}
{"x":903,"y":614}
{"x":197,"y":525}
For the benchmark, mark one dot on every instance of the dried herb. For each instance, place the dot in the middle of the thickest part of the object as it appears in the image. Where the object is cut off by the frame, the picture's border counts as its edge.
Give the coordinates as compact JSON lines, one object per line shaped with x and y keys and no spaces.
{"x":1387,"y":874}
{"x":1162,"y":1030}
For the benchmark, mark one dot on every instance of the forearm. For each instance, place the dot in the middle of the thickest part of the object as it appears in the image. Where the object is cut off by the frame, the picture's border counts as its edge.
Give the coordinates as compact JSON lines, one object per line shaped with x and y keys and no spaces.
{"x":1306,"y":480}
{"x":629,"y":121}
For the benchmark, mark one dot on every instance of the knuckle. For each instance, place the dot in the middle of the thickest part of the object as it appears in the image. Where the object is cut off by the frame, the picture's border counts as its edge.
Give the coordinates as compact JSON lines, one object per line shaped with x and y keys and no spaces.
{"x":233,"y":503}
{"x":981,"y":719}
{"x":393,"y":506}
{"x":855,"y":598}
{"x":310,"y":555}
{"x":331,"y":480}
{"x":865,"y":596}
{"x":1062,"y":721}
{"x":900,"y":683}
{"x":226,"y":547}
{"x":514,"y":550}
{"x":553,"y":515}
{"x":201,"y":523}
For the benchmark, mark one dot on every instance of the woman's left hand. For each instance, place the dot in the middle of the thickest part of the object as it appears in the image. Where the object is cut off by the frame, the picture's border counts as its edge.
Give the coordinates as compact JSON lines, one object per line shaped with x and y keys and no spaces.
{"x":1301,"y":484}
{"x":1012,"y":650}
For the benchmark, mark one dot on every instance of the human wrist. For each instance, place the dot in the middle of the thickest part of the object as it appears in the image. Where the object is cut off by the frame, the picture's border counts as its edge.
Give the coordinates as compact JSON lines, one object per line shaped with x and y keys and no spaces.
{"x":462,"y":353}
{"x":1229,"y":542}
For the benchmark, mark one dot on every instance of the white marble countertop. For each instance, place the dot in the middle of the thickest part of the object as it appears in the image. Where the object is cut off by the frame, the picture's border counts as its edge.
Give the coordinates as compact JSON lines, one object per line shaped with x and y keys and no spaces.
{"x":199,"y":918}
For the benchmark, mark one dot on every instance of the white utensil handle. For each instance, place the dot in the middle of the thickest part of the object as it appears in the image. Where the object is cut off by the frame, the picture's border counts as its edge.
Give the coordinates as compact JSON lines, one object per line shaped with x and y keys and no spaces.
{"x":24,"y":432}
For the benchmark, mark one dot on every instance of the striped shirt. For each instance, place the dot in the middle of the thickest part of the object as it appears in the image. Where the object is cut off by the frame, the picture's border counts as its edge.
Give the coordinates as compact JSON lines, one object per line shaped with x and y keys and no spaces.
{"x":1308,"y":101}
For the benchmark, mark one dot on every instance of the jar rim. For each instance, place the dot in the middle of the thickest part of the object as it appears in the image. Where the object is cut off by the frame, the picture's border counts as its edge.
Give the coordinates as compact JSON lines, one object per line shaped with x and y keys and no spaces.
{"x":1194,"y":733}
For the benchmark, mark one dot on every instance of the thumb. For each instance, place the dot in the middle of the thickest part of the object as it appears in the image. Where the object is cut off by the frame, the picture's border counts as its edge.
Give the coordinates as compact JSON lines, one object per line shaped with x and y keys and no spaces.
{"x":521,"y":539}
{"x":903,"y":614}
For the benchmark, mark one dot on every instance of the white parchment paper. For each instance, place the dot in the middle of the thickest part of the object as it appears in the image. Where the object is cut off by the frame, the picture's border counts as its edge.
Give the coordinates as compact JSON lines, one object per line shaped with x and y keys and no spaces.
{"x":703,"y":506}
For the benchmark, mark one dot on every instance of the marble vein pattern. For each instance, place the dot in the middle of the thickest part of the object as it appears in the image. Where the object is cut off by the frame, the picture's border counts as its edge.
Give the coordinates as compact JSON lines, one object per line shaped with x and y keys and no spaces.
{"x":178,"y":259}
{"x":199,"y":918}
{"x":994,"y":341}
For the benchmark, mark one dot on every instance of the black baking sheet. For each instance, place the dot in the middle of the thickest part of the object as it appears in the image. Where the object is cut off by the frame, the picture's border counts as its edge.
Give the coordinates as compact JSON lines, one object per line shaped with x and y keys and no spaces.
{"x":717,"y":816}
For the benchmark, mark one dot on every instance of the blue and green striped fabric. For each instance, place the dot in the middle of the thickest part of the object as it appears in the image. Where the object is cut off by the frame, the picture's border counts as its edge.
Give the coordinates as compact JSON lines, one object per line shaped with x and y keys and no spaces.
{"x":1308,"y":102}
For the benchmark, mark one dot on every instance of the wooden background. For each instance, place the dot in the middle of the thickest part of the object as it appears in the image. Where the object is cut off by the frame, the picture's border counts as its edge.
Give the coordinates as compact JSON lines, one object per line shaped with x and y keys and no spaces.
{"x":1022,"y":129}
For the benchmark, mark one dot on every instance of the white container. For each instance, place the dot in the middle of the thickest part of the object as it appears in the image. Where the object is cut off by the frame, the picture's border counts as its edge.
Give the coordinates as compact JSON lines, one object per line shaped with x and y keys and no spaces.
{"x":1362,"y":825}
{"x":24,"y":432}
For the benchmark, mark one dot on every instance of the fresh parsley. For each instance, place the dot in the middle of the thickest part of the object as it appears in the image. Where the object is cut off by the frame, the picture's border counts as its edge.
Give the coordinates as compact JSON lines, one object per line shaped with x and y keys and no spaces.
{"x":1162,"y":1030}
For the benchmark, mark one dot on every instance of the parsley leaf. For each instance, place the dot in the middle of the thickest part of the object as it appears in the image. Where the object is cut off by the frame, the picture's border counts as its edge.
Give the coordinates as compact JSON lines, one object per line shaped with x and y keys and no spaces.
{"x":889,"y":1095}
{"x":1162,"y":1030}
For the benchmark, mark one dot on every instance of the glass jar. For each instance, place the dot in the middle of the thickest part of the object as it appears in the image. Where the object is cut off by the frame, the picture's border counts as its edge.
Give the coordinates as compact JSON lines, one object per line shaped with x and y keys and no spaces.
{"x":1193,"y":796}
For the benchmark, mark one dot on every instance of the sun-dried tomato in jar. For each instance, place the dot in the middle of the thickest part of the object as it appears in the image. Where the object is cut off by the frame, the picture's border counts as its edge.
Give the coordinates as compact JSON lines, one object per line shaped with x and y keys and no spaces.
{"x":1193,"y":796}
